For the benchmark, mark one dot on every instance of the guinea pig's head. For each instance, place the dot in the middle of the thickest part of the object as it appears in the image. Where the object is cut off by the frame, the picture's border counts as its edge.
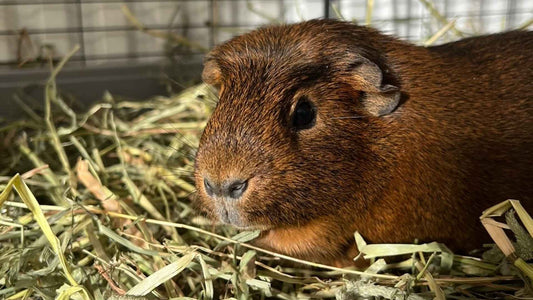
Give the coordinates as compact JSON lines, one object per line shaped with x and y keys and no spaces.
{"x":294,"y":132}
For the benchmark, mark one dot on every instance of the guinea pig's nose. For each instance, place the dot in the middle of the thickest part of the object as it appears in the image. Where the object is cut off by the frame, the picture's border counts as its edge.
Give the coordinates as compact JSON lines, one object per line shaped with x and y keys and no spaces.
{"x":233,"y":188}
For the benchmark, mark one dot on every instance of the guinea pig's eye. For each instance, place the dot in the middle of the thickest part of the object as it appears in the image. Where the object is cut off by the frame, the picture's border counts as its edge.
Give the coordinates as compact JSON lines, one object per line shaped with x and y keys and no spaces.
{"x":304,"y":114}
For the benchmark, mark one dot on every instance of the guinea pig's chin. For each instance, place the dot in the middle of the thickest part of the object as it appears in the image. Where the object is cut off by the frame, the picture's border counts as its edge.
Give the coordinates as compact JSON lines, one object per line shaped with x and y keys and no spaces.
{"x":242,"y":224}
{"x":239,"y":222}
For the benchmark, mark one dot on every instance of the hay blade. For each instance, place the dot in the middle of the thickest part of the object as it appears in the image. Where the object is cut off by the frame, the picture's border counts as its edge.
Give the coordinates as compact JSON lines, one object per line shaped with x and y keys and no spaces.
{"x":166,"y":273}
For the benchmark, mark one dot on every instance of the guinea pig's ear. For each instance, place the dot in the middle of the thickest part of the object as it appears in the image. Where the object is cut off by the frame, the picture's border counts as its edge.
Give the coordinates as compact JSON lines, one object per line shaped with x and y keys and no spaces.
{"x":378,"y":99}
{"x":212,"y":74}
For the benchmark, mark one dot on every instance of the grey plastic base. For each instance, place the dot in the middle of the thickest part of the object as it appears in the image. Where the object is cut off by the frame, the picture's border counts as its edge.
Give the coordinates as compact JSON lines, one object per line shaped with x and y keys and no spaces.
{"x":87,"y":85}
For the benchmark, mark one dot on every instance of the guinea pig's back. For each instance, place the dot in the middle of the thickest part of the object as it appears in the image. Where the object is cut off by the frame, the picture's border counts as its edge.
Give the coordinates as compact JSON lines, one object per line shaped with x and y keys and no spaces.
{"x":498,"y":66}
{"x":472,"y":101}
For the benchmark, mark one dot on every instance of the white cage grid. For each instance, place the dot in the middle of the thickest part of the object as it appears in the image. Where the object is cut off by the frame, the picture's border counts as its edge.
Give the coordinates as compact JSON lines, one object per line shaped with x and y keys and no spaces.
{"x":31,"y":30}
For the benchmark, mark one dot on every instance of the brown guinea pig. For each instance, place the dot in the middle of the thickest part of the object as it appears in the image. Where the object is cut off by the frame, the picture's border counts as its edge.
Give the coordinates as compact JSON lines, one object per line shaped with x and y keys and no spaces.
{"x":324,"y":128}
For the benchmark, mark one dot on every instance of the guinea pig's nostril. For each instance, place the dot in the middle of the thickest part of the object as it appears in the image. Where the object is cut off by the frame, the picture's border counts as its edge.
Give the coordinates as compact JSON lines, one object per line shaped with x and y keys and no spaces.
{"x":208,"y":187}
{"x":229,"y":189}
{"x":236,"y":188}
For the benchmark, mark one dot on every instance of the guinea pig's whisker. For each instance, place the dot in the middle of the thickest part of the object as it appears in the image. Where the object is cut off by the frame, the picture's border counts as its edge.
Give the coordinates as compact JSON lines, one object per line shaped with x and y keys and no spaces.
{"x":186,"y":141}
{"x":189,"y":156}
{"x":349,"y":117}
{"x":200,"y":97}
{"x":181,"y":170}
{"x":181,"y":85}
{"x":181,"y":137}
{"x":191,"y":193}
{"x":185,"y":175}
{"x":185,"y":154}
{"x":206,"y":99}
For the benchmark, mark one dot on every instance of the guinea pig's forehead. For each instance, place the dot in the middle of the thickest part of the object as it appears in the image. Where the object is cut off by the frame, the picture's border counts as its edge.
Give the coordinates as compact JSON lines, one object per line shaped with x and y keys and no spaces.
{"x":277,"y":76}
{"x":256,"y":96}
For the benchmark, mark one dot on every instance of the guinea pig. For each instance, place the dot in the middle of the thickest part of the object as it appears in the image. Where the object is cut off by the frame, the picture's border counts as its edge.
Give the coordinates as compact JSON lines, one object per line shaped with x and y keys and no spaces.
{"x":324,"y":128}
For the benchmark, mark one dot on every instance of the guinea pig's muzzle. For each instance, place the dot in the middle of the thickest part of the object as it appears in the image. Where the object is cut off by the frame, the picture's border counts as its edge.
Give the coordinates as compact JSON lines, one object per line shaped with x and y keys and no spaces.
{"x":226,"y":195}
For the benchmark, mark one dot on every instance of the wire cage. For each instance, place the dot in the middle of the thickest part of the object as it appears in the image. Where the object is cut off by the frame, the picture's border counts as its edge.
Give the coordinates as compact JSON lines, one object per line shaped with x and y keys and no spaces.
{"x":112,"y":31}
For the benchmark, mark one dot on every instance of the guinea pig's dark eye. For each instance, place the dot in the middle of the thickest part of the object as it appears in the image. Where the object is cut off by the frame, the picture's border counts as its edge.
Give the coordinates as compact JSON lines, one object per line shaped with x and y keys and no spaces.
{"x":304,"y":114}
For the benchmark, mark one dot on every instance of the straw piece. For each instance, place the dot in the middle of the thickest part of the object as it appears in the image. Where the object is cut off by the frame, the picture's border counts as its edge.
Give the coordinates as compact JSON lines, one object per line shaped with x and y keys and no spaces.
{"x":369,"y":11}
{"x":439,"y":294}
{"x":151,"y":282}
{"x":160,"y":34}
{"x":51,"y":95}
{"x":364,"y":290}
{"x":208,"y":282}
{"x":438,"y":16}
{"x":495,"y":230}
{"x":383,"y":250}
{"x":440,"y":33}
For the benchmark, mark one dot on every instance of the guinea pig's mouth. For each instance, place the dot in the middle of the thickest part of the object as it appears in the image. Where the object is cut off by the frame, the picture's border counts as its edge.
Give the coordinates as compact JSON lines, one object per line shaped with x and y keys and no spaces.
{"x":233,"y":218}
{"x":262,"y":228}
{"x":231,"y":215}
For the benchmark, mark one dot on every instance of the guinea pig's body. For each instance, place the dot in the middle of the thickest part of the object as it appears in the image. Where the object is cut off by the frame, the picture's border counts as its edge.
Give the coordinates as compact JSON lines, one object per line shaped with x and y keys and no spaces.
{"x":325,"y":128}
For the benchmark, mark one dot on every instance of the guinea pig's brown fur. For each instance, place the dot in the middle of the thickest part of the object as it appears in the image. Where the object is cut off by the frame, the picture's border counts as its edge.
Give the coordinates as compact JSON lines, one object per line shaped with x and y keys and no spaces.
{"x":407,"y":142}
